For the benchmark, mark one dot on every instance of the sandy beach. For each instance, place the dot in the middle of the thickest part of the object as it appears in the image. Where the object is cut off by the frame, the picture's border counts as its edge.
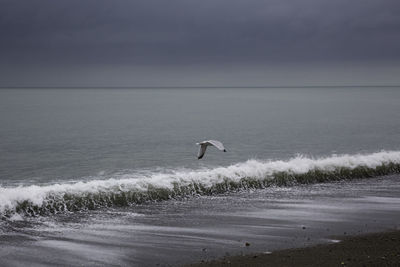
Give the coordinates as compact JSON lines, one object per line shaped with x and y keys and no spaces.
{"x":377,"y":249}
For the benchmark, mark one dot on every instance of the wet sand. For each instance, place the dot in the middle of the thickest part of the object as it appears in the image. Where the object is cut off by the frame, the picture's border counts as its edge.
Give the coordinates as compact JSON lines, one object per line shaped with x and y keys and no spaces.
{"x":378,"y":249}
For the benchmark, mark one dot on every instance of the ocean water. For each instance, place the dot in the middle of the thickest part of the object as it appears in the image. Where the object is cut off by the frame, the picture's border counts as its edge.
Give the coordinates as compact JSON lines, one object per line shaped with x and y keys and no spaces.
{"x":88,"y":172}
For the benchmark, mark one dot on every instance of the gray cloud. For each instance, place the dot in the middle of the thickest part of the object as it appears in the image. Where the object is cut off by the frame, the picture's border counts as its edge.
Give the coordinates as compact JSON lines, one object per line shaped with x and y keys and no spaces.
{"x":207,"y":32}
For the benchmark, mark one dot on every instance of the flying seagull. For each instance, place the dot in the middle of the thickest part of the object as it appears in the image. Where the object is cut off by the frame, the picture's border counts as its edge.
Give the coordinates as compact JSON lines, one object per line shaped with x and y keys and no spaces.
{"x":203,"y":146}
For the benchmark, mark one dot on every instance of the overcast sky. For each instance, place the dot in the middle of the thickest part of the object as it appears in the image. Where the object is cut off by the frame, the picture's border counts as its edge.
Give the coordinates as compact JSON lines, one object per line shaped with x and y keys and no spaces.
{"x":199,"y":43}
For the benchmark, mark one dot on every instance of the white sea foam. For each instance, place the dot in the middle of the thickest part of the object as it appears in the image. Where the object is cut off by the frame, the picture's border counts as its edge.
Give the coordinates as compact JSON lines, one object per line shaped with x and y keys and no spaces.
{"x":59,"y":196}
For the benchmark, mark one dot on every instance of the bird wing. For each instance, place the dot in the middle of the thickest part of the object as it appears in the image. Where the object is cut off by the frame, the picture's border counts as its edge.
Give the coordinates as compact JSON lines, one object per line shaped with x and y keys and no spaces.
{"x":202,"y":151}
{"x":217,"y":144}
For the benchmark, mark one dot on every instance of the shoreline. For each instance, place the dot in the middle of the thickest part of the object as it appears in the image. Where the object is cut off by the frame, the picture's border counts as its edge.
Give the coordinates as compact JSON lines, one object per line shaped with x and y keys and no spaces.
{"x":175,"y":233}
{"x":372,"y":249}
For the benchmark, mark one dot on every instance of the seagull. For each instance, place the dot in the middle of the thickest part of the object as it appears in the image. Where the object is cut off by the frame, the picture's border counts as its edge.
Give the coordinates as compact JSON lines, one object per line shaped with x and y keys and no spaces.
{"x":203,"y":146}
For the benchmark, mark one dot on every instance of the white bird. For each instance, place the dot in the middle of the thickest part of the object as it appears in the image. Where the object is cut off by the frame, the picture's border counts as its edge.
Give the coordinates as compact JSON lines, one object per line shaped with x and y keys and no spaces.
{"x":203,"y":146}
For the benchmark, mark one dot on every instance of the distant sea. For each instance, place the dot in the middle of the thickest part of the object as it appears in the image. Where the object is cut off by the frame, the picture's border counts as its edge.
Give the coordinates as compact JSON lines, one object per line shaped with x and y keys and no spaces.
{"x":100,"y":176}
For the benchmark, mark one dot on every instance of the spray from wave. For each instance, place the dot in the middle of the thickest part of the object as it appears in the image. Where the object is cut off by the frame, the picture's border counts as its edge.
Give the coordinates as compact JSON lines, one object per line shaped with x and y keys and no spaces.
{"x":138,"y":188}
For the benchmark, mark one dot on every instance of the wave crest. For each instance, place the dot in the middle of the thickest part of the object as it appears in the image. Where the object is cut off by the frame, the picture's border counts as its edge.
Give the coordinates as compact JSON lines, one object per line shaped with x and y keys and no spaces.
{"x":138,"y":188}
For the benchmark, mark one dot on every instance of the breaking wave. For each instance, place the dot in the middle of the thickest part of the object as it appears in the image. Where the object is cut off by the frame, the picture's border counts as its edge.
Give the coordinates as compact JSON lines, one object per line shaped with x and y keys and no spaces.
{"x":141,"y":187}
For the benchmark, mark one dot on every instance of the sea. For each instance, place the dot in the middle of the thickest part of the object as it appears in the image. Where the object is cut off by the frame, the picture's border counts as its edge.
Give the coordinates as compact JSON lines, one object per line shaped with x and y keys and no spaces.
{"x":110,"y":176}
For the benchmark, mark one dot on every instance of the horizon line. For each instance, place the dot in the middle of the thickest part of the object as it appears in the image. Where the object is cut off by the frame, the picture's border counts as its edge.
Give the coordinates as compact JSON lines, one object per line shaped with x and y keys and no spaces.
{"x":182,"y":87}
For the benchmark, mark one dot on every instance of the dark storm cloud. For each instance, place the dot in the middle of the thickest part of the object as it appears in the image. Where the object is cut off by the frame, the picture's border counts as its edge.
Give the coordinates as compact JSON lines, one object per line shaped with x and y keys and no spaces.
{"x":202,"y":42}
{"x":201,"y":32}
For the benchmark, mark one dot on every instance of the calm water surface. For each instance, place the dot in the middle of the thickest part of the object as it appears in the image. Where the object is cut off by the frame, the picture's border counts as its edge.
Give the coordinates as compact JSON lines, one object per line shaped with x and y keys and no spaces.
{"x":71,"y":134}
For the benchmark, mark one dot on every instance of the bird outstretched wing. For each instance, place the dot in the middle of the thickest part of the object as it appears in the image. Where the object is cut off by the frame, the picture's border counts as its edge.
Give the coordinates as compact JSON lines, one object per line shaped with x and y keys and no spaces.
{"x":202,"y":151}
{"x":217,"y":144}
